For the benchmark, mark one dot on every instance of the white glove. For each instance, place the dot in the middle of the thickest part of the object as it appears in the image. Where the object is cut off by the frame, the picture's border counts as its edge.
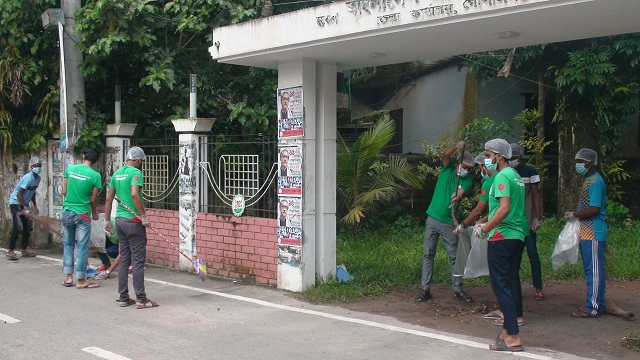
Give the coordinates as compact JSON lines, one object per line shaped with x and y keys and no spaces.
{"x":459,"y":229}
{"x":145,"y":221}
{"x":537,"y":224}
{"x":478,"y":232}
{"x":108,"y":228}
{"x":569,"y":215}
{"x":460,"y":145}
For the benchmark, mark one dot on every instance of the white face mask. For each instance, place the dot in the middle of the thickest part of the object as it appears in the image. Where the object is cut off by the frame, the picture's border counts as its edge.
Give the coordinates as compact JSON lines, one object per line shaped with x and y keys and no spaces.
{"x":513,"y":163}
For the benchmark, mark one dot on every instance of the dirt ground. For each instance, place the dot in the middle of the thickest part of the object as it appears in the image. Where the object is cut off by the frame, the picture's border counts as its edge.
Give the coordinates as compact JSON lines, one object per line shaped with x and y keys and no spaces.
{"x":547,"y":323}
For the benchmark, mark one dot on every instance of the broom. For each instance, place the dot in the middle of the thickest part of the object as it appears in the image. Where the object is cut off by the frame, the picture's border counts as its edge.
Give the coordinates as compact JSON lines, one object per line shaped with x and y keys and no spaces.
{"x":52,"y":224}
{"x":199,"y":264}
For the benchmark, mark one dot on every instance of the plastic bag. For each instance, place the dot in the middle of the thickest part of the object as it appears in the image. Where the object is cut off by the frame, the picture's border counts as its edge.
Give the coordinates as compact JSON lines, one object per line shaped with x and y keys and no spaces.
{"x":464,"y":247}
{"x":97,"y":237}
{"x":477,"y":262}
{"x":567,"y":246}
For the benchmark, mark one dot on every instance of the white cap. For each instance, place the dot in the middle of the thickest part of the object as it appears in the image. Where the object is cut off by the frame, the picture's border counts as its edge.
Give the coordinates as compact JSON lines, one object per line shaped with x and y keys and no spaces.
{"x":135,"y":153}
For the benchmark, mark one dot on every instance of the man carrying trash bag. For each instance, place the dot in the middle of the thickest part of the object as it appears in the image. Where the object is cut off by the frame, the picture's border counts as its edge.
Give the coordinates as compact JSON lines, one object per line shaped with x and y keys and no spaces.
{"x":593,"y":232}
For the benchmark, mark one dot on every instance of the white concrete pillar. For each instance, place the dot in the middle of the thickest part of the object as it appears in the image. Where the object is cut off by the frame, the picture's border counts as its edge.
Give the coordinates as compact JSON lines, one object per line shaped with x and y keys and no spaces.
{"x":318,"y":83}
{"x":189,"y":131}
{"x":118,"y":139}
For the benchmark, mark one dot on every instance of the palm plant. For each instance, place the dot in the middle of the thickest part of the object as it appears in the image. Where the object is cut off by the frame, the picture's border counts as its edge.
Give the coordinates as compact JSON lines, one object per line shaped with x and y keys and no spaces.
{"x":366,"y":181}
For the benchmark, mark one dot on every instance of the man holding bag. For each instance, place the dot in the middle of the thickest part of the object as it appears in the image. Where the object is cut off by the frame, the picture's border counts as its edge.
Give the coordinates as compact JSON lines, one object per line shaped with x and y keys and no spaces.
{"x":593,"y":232}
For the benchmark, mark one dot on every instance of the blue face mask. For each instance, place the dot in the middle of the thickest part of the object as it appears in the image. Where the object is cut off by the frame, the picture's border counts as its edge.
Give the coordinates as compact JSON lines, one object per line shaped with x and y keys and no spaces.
{"x":462,"y":172}
{"x":488,"y":163}
{"x":581,"y":169}
{"x":37,"y":170}
{"x":484,"y":176}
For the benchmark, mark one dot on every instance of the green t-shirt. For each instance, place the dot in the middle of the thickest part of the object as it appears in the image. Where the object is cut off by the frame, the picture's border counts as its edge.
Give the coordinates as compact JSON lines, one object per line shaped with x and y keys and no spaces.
{"x":113,"y":237}
{"x":121,"y":181}
{"x":445,"y":187}
{"x":508,"y":183}
{"x":486,"y":188}
{"x":81,"y":180}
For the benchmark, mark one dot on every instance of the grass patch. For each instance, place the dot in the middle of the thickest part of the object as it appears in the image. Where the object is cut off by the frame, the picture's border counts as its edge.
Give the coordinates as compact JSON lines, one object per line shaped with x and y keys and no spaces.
{"x":391,"y":258}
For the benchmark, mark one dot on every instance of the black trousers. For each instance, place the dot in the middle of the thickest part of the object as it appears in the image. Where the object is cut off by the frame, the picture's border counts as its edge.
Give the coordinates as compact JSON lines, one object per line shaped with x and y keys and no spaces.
{"x":504,"y":270}
{"x":26,"y":228}
{"x":534,"y":259}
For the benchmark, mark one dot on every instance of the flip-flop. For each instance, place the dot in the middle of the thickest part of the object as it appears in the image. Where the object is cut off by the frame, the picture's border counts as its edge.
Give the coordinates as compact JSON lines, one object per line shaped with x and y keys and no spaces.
{"x":12,"y":257}
{"x":147,"y":304}
{"x":126,"y":303}
{"x":66,"y":284}
{"x":502,"y":346}
{"x":88,"y":285}
{"x":493,"y":315}
{"x":500,"y":322}
{"x":583,"y":314}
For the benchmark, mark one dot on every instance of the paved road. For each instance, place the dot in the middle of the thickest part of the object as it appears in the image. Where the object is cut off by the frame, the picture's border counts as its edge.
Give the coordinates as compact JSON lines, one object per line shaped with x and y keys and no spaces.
{"x":40,"y":319}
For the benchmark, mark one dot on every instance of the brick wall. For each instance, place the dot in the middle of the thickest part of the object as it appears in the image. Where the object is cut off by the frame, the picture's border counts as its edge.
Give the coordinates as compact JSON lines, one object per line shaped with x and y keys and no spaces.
{"x":238,"y":247}
{"x":233,"y":247}
{"x":160,"y":252}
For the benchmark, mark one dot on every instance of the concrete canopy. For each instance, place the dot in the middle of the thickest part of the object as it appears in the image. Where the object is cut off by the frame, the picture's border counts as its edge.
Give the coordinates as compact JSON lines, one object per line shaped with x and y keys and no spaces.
{"x":364,"y":33}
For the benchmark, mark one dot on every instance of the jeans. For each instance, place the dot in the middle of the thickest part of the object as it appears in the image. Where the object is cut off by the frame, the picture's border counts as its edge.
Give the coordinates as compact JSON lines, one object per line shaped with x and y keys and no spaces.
{"x":26,"y":228}
{"x":111,"y":251}
{"x":132,"y":237}
{"x":75,"y":230}
{"x":433,"y":230}
{"x":504,"y":259}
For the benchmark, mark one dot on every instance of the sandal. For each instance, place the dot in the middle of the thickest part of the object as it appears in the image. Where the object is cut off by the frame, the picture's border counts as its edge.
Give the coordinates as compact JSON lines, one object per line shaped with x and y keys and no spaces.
{"x":493,"y":315}
{"x":147,"y":304}
{"x":12,"y":256}
{"x":88,"y":285}
{"x":539,"y":296}
{"x":502,"y":346}
{"x":126,"y":303}
{"x":26,"y":253}
{"x":500,"y":322}
{"x":583,"y":314}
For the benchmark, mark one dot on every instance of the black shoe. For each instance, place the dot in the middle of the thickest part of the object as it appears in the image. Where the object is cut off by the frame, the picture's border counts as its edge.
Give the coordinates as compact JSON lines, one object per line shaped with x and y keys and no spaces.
{"x":424,"y":296}
{"x":464,"y":297}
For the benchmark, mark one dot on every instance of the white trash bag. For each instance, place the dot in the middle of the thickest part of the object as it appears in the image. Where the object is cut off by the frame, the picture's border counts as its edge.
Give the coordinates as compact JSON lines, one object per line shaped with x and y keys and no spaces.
{"x":97,"y":238}
{"x":567,"y":246}
{"x":477,"y":262}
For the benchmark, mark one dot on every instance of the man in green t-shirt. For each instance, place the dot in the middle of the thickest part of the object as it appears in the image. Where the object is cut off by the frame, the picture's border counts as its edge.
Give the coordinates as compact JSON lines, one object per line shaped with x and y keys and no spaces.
{"x":483,"y":202}
{"x":80,"y":189}
{"x":505,"y":232}
{"x":126,"y":183}
{"x":440,"y":223}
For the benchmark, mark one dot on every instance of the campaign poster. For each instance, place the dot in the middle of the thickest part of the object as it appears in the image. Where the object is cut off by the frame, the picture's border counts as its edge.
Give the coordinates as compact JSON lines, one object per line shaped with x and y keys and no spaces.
{"x":290,"y":170}
{"x":290,"y":112}
{"x":289,"y":221}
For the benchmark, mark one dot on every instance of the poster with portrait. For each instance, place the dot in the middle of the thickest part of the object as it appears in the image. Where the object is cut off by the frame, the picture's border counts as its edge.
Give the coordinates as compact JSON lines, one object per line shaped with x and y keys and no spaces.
{"x":58,"y":199}
{"x":290,"y":112}
{"x":290,"y":170}
{"x":289,"y":230}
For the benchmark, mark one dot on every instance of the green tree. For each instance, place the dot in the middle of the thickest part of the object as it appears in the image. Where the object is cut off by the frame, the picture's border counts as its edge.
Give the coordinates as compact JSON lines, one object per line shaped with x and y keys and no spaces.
{"x":594,"y":86}
{"x":366,"y":181}
{"x":28,"y":67}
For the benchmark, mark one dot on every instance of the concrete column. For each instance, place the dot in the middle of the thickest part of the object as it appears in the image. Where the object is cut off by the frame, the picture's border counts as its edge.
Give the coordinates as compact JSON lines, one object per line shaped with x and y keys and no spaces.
{"x":318,"y":83}
{"x":118,"y":139}
{"x":189,"y":131}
